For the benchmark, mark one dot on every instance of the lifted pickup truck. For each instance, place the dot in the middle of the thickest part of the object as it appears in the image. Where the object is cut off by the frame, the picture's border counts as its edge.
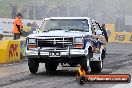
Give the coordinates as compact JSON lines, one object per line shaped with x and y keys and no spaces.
{"x":63,"y":40}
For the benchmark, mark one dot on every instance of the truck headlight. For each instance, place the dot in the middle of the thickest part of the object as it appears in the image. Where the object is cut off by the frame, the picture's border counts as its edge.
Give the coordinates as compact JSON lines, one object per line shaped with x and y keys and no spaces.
{"x":31,"y":40}
{"x":78,"y":40}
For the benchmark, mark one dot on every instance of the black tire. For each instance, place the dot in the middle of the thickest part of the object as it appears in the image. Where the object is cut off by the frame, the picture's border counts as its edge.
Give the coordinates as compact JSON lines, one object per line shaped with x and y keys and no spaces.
{"x":33,"y":65}
{"x":96,"y":66}
{"x":84,"y":63}
{"x":51,"y":66}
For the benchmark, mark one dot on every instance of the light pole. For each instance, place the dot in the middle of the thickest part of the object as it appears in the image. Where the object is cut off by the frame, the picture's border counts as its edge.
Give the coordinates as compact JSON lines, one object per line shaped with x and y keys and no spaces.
{"x":43,"y":2}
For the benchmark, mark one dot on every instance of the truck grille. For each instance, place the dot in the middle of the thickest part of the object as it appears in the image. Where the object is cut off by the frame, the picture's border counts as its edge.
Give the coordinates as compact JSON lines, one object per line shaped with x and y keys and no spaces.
{"x":55,"y":42}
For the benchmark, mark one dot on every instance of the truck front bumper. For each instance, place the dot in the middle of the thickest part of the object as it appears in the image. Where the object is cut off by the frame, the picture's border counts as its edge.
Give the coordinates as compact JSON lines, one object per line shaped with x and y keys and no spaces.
{"x":38,"y":53}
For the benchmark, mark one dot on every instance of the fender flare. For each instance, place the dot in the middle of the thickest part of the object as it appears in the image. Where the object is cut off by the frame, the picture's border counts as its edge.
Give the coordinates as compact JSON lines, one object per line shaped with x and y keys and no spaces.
{"x":88,"y":44}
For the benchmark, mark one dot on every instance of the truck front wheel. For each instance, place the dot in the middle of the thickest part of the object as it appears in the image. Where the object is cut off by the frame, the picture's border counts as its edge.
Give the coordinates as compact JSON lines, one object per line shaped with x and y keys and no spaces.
{"x":33,"y":65}
{"x":84,"y":63}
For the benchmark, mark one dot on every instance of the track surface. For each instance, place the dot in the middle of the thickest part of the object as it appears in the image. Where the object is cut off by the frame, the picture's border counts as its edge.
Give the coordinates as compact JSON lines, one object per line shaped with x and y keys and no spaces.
{"x":118,"y":60}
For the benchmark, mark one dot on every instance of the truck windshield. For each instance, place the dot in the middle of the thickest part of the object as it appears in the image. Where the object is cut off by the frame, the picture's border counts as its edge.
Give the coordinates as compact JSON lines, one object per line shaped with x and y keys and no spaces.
{"x":65,"y":24}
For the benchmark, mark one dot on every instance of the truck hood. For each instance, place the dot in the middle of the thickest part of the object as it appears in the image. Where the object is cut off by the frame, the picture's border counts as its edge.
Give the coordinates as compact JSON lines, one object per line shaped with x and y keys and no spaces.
{"x":60,"y":33}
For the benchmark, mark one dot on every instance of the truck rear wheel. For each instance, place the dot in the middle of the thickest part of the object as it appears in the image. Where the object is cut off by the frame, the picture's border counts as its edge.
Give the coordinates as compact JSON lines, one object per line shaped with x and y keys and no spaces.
{"x":33,"y":65}
{"x":51,"y":66}
{"x":96,"y":66}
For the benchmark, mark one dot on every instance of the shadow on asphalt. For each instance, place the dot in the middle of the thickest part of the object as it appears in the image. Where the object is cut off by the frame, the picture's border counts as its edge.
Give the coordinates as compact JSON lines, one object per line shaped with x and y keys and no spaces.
{"x":58,"y":73}
{"x":66,"y":73}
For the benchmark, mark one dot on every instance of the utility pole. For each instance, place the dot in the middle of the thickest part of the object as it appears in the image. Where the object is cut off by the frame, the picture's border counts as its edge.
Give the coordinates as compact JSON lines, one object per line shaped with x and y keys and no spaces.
{"x":43,"y":2}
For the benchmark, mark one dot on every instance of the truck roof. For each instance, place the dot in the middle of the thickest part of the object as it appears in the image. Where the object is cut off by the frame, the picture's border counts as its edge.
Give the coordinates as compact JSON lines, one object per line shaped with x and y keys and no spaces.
{"x":67,"y":18}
